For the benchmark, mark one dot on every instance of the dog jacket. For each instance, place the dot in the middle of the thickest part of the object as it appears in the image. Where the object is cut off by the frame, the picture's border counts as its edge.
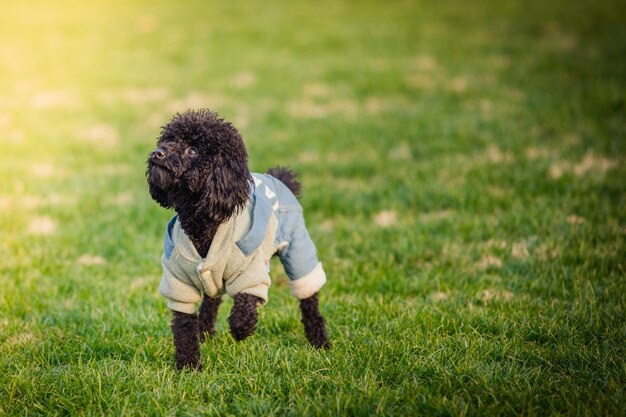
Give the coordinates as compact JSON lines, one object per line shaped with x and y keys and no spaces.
{"x":239,"y":256}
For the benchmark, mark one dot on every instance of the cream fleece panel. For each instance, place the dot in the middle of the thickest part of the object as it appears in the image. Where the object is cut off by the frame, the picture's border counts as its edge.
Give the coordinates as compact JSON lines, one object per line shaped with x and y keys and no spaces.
{"x":181,"y":293}
{"x":309,"y":284}
{"x":186,"y":275}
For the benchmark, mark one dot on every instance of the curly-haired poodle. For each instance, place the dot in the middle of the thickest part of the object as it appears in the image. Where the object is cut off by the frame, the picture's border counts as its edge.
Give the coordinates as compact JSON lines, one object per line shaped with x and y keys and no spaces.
{"x":228,"y":224}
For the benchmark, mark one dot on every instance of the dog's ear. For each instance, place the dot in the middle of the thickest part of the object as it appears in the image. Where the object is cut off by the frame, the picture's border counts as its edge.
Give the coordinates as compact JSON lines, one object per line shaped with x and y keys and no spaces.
{"x":228,"y":188}
{"x":159,"y":195}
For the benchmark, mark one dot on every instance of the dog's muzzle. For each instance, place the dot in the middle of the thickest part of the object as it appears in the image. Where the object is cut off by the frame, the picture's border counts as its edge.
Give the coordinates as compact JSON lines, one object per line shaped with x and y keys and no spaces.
{"x":160,"y":177}
{"x":165,"y":167}
{"x":160,"y":171}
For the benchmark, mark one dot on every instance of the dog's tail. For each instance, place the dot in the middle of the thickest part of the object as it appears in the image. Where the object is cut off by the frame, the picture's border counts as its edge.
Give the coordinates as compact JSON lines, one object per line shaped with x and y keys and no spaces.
{"x":287,"y":177}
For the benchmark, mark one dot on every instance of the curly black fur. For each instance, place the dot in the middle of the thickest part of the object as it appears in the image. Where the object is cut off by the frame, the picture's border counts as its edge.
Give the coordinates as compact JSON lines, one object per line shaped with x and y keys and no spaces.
{"x":207,"y":316}
{"x":185,"y":330}
{"x":314,"y":326}
{"x":243,"y":316}
{"x":200,"y":169}
{"x":287,"y":177}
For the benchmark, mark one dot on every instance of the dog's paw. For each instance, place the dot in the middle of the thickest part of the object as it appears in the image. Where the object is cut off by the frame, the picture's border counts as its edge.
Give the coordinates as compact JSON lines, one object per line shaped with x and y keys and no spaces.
{"x":183,"y":365}
{"x":319,"y":340}
{"x":314,"y":324}
{"x":243,"y":317}
{"x":326,"y":345}
{"x":315,"y":331}
{"x":206,"y":335}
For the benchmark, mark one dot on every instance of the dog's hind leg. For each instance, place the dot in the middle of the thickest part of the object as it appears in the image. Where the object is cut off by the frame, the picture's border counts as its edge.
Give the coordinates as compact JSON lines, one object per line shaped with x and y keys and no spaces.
{"x":207,"y":316}
{"x":314,"y":326}
{"x":185,"y":329}
{"x":243,"y":317}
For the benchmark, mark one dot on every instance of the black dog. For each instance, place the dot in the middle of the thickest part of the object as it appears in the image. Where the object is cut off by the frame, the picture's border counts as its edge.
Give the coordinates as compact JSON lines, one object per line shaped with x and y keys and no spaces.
{"x":199,"y":169}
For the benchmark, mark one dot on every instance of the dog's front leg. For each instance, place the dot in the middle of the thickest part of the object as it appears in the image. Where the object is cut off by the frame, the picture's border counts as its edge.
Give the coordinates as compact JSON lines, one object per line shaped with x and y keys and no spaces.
{"x":314,"y":326}
{"x":185,"y":329}
{"x":243,"y":316}
{"x":207,"y":316}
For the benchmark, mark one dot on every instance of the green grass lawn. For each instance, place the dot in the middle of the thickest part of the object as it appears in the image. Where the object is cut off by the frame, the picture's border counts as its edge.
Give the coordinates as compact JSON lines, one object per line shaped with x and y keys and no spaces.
{"x":465,"y":183}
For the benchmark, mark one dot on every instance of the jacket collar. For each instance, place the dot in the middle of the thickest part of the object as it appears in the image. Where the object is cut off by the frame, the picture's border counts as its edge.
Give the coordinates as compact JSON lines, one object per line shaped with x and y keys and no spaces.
{"x":223,"y":239}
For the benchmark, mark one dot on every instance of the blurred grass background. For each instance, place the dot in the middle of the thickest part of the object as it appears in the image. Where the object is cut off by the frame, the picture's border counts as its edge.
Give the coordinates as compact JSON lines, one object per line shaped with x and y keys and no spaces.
{"x":463,"y":165}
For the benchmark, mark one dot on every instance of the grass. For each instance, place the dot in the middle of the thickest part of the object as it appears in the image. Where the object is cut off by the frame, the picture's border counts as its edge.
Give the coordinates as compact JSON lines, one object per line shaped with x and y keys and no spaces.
{"x":464,"y":169}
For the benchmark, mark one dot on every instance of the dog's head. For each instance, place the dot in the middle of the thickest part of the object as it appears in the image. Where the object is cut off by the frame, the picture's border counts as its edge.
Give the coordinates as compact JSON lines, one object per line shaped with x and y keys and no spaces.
{"x":200,"y":161}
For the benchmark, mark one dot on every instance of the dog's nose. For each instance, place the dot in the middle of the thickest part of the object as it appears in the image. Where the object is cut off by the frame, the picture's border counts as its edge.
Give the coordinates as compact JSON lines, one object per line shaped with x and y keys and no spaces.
{"x":159,"y":153}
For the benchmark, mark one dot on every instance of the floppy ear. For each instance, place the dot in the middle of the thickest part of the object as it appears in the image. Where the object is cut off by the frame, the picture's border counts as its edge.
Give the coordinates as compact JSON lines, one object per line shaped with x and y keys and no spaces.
{"x":228,"y":187}
{"x":159,"y":195}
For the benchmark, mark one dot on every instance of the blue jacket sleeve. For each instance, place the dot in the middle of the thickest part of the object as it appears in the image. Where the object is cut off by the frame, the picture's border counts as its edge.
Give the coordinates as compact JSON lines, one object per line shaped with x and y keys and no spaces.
{"x":300,"y":256}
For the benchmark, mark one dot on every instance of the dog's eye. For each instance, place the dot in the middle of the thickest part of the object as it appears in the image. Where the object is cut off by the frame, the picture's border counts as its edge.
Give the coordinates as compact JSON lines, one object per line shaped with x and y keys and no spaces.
{"x":191,"y":151}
